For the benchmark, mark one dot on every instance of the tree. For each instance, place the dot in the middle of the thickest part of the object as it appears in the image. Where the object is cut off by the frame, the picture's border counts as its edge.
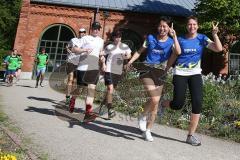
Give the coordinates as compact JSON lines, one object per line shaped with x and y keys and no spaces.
{"x":226,"y":12}
{"x":9,"y":16}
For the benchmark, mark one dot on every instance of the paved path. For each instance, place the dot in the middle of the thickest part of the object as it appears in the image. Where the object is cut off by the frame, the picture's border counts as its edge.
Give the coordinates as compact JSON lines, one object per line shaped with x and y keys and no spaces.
{"x":41,"y":116}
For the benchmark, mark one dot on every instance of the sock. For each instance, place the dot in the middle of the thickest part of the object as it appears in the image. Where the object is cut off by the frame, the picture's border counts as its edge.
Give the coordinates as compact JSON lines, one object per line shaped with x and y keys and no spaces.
{"x":109,"y":105}
{"x":88,"y":108}
{"x":143,"y":117}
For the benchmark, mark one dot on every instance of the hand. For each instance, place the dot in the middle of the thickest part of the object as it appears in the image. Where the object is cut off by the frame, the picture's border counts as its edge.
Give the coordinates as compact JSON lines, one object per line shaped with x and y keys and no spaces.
{"x":88,"y":50}
{"x":215,"y":28}
{"x":128,"y":66}
{"x":68,"y":50}
{"x":172,"y":32}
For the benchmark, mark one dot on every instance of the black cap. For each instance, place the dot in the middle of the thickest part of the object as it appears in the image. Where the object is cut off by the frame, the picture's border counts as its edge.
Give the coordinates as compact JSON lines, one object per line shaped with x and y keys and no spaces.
{"x":96,"y":25}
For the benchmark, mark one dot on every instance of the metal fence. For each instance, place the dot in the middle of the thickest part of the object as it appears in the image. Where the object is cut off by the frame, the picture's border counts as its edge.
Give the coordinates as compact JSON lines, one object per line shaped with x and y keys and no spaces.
{"x":234,"y":64}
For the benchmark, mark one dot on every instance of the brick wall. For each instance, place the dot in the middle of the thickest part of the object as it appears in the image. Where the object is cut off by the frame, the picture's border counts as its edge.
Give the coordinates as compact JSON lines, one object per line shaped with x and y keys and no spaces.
{"x":34,"y":18}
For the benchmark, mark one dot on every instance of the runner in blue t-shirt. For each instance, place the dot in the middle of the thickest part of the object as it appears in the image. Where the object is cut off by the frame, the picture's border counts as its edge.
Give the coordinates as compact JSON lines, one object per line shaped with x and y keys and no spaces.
{"x":187,"y":72}
{"x":159,"y":49}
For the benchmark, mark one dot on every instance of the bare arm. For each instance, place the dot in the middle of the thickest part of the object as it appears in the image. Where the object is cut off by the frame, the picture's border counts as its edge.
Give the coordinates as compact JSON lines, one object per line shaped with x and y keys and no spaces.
{"x":177,"y":48}
{"x":78,"y":50}
{"x":171,"y":61}
{"x":216,"y":45}
{"x":136,"y":55}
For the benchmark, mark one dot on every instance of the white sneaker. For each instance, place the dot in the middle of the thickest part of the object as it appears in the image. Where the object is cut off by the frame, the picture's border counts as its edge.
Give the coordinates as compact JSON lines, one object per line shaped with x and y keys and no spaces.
{"x":147,"y":135}
{"x":142,"y":123}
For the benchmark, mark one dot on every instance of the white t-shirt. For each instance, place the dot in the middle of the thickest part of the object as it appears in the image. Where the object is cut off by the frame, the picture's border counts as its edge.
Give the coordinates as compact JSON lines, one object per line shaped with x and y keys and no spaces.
{"x":90,"y":61}
{"x":72,"y":57}
{"x":115,"y":57}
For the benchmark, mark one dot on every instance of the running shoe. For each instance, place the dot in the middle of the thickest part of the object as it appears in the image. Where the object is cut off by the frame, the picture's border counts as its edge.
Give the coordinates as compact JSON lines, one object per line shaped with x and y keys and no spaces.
{"x":41,"y":85}
{"x":147,"y":135}
{"x":72,"y":104}
{"x":111,"y":113}
{"x":193,"y":140}
{"x":89,"y":117}
{"x":142,"y":123}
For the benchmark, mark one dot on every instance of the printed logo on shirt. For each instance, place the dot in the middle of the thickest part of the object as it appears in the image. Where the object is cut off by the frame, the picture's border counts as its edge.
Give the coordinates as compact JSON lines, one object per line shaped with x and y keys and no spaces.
{"x":190,"y":65}
{"x":158,"y":51}
{"x":190,"y":50}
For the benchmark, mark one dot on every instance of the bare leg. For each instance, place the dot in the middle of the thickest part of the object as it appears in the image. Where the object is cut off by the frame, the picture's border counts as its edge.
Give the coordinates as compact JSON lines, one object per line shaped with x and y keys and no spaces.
{"x":110,"y":90}
{"x":111,"y":111}
{"x":90,"y":94}
{"x":154,"y":106}
{"x":154,"y":92}
{"x":193,"y":123}
{"x":37,"y":80}
{"x":42,"y":78}
{"x":69,"y":84}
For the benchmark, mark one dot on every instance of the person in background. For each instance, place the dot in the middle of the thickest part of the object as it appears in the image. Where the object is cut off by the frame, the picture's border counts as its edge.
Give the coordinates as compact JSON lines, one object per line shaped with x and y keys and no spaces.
{"x":42,"y":61}
{"x":116,"y":53}
{"x":19,"y":67}
{"x":72,"y":64}
{"x":12,"y":62}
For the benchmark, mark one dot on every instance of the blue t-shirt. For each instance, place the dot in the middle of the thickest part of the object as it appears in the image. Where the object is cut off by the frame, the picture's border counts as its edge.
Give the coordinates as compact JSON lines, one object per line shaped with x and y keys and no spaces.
{"x":157,"y":51}
{"x":191,"y":51}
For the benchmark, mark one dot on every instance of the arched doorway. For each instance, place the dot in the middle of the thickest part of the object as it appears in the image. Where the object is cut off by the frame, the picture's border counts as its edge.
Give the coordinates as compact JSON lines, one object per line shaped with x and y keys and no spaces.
{"x":55,"y":38}
{"x":131,"y":38}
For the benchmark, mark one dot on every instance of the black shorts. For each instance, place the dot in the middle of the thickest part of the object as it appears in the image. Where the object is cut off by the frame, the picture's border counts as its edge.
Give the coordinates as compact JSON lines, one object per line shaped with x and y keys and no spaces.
{"x":157,"y":75}
{"x":111,"y":78}
{"x":87,"y":77}
{"x":70,"y":67}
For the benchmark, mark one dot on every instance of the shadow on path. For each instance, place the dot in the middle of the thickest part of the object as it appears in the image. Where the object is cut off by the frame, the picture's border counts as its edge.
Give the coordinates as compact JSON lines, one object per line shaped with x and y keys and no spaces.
{"x":107,"y":128}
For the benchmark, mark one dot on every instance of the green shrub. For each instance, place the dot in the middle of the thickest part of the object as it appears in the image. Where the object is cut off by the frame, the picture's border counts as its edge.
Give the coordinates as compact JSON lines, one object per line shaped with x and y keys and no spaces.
{"x":221,"y":105}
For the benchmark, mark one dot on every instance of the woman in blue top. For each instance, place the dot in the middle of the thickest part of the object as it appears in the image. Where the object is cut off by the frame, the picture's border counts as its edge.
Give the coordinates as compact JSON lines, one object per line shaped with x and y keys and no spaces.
{"x":187,"y":72}
{"x":159,"y":49}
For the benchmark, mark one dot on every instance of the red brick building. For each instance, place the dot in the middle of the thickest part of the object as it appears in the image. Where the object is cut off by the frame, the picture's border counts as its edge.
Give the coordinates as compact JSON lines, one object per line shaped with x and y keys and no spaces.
{"x":51,"y":24}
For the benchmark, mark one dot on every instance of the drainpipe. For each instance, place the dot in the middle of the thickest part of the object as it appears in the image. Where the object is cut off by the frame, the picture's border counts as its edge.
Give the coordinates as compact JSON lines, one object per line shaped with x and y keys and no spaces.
{"x":95,"y":14}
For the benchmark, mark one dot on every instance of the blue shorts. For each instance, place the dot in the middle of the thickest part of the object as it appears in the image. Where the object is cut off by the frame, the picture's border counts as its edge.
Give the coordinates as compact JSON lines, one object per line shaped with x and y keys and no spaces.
{"x":10,"y":72}
{"x":40,"y":71}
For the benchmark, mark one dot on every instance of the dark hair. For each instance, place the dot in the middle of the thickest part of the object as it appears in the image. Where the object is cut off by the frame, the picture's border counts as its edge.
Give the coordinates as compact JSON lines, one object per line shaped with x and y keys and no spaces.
{"x":192,"y":17}
{"x":166,"y":19}
{"x":117,"y":33}
{"x":96,"y":25}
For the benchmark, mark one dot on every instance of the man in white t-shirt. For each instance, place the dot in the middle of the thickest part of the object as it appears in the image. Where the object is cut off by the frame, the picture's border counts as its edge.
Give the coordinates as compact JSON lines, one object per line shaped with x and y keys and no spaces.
{"x":116,"y":53}
{"x":72,"y":62}
{"x":88,"y":67}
